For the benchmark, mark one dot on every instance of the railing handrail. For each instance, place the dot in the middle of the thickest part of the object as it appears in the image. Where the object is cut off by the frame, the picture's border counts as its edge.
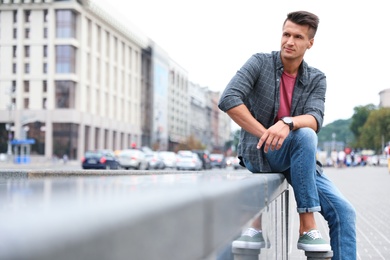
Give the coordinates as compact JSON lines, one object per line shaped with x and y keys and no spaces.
{"x":156,"y":216}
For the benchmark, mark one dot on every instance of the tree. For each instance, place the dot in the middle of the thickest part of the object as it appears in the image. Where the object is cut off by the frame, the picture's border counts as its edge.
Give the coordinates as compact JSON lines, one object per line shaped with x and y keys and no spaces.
{"x":340,"y":128}
{"x":376,"y":130}
{"x":191,"y":144}
{"x":359,"y":118}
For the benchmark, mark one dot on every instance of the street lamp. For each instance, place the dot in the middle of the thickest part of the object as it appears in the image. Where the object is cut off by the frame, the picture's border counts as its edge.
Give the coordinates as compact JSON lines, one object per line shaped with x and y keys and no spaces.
{"x":333,"y":141}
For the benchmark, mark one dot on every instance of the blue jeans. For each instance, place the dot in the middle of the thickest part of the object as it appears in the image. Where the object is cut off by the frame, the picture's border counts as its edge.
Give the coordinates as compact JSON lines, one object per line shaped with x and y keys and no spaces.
{"x":314,"y":192}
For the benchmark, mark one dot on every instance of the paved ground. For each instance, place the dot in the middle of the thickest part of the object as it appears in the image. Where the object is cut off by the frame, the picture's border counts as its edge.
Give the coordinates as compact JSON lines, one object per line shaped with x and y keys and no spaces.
{"x":368,"y":190}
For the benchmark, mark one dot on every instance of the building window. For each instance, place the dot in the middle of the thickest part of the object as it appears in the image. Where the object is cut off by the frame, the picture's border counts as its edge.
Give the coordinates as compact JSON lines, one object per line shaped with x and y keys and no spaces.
{"x":26,"y":103}
{"x":26,"y":86}
{"x":45,"y":15}
{"x":27,"y":33}
{"x":65,"y":59}
{"x":14,"y":51}
{"x":14,"y":68}
{"x":44,"y":86}
{"x":99,"y":38}
{"x":107,"y":44}
{"x":44,"y":103}
{"x":15,"y":33}
{"x":27,"y":51}
{"x":15,"y":15}
{"x":45,"y":33}
{"x":27,"y":16}
{"x":27,"y":68}
{"x":65,"y":24}
{"x":45,"y":67}
{"x":45,"y":51}
{"x":89,"y":37}
{"x":65,"y":94}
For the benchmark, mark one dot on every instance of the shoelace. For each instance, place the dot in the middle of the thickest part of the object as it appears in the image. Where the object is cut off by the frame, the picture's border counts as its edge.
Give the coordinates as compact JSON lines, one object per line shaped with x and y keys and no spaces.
{"x":250,"y":232}
{"x":314,"y":234}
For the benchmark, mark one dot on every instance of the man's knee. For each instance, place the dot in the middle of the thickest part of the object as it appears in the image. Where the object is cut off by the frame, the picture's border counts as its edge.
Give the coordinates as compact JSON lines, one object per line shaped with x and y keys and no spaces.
{"x":306,"y":137}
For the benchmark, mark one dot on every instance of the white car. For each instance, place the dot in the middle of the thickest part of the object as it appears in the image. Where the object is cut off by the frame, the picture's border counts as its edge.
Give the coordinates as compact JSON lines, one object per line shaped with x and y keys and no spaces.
{"x":188,"y":160}
{"x":132,"y":159}
{"x":169,"y":159}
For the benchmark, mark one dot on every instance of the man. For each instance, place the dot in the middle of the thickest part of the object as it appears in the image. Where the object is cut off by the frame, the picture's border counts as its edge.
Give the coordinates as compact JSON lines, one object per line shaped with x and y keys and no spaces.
{"x":278,"y":100}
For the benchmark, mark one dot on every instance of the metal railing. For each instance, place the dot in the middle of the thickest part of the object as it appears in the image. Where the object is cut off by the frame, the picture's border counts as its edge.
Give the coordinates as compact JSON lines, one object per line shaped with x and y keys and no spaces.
{"x":139,"y":215}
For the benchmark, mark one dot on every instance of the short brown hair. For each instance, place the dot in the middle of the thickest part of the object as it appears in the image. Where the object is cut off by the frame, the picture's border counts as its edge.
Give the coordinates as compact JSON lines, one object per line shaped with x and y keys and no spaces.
{"x":304,"y":18}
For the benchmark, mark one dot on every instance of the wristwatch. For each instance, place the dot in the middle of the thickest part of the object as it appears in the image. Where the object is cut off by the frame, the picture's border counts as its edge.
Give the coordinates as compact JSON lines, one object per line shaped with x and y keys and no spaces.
{"x":288,"y":121}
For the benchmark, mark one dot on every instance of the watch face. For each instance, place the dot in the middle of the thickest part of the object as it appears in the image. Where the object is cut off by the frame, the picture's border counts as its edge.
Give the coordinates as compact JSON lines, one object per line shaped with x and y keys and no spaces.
{"x":287,"y":120}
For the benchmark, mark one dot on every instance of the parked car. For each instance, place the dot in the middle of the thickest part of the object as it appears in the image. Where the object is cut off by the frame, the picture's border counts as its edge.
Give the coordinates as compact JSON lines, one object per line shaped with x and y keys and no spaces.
{"x":132,"y":159}
{"x":168,"y":159}
{"x":236,"y":164}
{"x":188,"y":160}
{"x":99,"y":159}
{"x":217,"y":160}
{"x":204,"y":156}
{"x":154,"y":160}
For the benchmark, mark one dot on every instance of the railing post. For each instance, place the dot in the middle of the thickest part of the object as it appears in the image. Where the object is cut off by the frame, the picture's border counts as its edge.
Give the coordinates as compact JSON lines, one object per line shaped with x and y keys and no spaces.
{"x":319,"y":255}
{"x":246,"y":254}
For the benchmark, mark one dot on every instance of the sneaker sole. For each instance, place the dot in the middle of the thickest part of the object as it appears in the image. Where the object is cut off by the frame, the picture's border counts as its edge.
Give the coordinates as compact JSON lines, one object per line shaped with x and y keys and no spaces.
{"x":248,"y":245}
{"x":314,"y":248}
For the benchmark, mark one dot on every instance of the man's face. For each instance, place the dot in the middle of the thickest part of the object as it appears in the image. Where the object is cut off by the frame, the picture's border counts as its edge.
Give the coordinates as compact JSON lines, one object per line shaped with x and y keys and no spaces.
{"x":295,"y":40}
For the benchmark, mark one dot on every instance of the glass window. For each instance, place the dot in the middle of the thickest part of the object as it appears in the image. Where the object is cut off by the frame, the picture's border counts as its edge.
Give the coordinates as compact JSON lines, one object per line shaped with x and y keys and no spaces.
{"x":26,"y":85}
{"x":65,"y":59}
{"x":44,"y":103}
{"x":27,"y":16}
{"x":14,"y":68}
{"x":15,"y":14}
{"x":45,"y":67}
{"x":15,"y":33}
{"x":45,"y":15}
{"x":45,"y":32}
{"x":27,"y":51}
{"x":26,"y":103}
{"x":65,"y":94}
{"x":45,"y":51}
{"x":65,"y":24}
{"x":27,"y":68}
{"x":13,"y":86}
{"x":14,"y":51}
{"x":27,"y":33}
{"x":44,"y":86}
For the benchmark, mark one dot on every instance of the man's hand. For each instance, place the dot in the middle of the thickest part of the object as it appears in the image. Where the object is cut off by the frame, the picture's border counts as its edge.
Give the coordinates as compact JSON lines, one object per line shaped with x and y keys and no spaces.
{"x":274,"y":136}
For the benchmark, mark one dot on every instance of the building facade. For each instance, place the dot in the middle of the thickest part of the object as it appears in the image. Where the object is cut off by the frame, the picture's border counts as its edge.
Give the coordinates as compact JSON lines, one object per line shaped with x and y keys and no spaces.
{"x":178,"y":105}
{"x":384,"y":98}
{"x":200,"y":127}
{"x":75,"y":79}
{"x":72,"y":77}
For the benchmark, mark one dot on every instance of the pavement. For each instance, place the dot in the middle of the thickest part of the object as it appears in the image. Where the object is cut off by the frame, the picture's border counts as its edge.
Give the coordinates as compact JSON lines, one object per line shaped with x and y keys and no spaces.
{"x":367,"y":188}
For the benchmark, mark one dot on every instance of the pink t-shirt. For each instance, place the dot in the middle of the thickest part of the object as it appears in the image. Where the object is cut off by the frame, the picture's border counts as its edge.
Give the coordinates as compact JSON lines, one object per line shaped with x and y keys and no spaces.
{"x":286,"y":91}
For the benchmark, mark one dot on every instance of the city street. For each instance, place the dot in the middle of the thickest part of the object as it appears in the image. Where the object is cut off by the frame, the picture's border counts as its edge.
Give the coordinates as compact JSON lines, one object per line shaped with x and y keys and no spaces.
{"x":366,"y":187}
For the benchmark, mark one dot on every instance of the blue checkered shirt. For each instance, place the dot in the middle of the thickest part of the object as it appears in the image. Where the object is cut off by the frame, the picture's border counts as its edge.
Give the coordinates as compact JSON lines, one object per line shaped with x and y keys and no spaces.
{"x":257,"y":86}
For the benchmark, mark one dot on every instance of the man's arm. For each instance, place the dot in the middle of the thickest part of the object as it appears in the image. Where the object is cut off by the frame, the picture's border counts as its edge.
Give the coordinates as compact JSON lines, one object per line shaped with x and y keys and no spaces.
{"x":241,"y":115}
{"x":274,"y":136}
{"x":305,"y":121}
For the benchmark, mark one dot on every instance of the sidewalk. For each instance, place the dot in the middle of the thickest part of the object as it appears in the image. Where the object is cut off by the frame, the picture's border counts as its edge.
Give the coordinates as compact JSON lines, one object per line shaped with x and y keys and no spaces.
{"x":41,"y":164}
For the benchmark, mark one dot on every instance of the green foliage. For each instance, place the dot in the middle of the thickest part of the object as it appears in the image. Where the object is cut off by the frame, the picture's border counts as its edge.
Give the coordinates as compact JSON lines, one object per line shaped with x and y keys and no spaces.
{"x":341,"y":130}
{"x":376,"y":130}
{"x":359,"y":118}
